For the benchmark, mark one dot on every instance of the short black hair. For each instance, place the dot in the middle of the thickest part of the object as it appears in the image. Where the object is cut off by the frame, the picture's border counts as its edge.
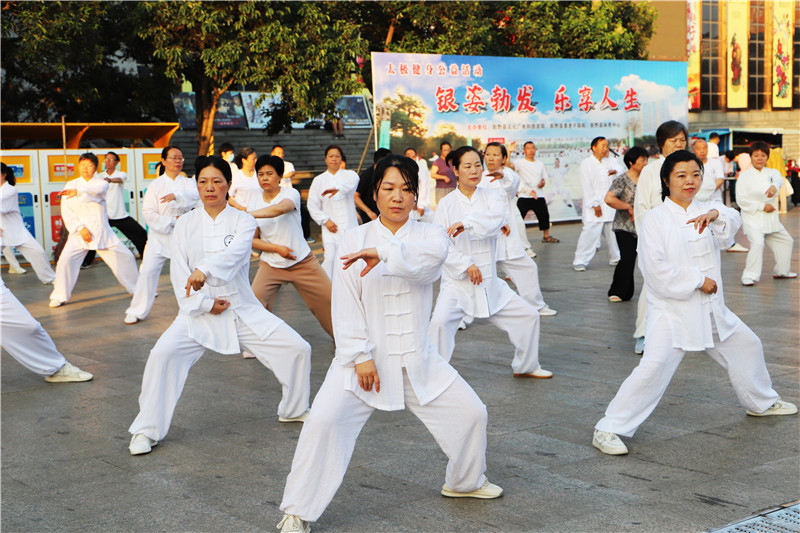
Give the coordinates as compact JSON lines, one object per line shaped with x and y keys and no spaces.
{"x":165,"y":151}
{"x":9,"y":173}
{"x":407,"y":167}
{"x":226,"y":147}
{"x":678,"y":156}
{"x":502,"y":148}
{"x":89,"y":156}
{"x":713,"y":135}
{"x":212,"y":161}
{"x":114,"y":154}
{"x":668,"y":130}
{"x":454,"y":157}
{"x":441,"y":144}
{"x":271,"y":160}
{"x":597,"y":140}
{"x":633,"y":155}
{"x":759,"y":145}
{"x":334,"y":146}
{"x":380,"y":153}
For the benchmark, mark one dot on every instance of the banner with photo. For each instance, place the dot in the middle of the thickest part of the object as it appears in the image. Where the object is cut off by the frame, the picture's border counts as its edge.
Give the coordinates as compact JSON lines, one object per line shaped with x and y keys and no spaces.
{"x":559,"y":104}
{"x":352,"y":108}
{"x":737,"y":36}
{"x":230,"y":111}
{"x":693,"y":25}
{"x":782,"y":31}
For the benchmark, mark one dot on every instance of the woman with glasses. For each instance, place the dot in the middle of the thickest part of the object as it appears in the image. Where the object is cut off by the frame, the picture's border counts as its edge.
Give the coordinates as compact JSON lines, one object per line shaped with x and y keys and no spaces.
{"x":169,"y":196}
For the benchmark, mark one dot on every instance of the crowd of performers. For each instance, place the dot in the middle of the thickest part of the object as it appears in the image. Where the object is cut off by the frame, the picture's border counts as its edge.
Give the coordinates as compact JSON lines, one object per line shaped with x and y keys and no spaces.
{"x":393,"y":345}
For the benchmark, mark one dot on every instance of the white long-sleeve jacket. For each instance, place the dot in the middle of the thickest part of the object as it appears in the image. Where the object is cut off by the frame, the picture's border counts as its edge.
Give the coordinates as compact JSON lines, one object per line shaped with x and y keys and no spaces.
{"x":14,"y":230}
{"x":482,"y":216}
{"x":648,"y":191}
{"x":508,"y":246}
{"x":88,"y":210}
{"x":161,"y":216}
{"x":675,"y":259}
{"x":341,"y":207}
{"x":384,"y":315}
{"x":751,"y":196}
{"x":220,"y":248}
{"x":595,"y":182}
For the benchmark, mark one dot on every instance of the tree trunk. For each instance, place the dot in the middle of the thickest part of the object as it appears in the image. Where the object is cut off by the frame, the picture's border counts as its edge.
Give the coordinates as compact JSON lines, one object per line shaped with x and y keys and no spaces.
{"x":206,"y":102}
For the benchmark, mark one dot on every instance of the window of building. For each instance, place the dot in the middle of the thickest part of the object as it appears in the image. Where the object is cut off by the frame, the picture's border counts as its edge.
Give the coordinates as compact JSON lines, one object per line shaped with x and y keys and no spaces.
{"x":756,"y":78}
{"x":711,"y":64}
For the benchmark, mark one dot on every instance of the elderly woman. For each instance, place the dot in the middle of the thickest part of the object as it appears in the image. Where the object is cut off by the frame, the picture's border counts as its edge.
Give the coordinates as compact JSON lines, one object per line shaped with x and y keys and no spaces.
{"x":383,"y":358}
{"x":217,"y":311}
{"x":679,"y":244}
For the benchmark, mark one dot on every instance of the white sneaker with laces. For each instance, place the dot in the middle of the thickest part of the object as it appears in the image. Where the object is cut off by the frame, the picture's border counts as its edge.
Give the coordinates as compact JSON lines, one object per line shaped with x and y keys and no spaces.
{"x":608,"y":443}
{"x":778,"y":408}
{"x":293,"y":524}
{"x":546,"y":311}
{"x":488,"y":491}
{"x":69,"y":374}
{"x":141,"y":444}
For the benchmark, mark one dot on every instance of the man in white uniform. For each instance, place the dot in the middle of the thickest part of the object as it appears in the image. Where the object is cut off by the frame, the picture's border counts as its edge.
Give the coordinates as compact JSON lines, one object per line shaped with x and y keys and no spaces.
{"x":533,"y":178}
{"x":595,"y":178}
{"x":757,"y":196}
{"x":713,"y":175}
{"x":118,"y":216}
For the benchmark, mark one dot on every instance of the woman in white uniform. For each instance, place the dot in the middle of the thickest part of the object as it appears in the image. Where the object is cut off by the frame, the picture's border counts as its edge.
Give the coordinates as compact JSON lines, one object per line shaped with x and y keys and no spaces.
{"x":168,"y":196}
{"x":285,"y":255}
{"x":83,"y":208}
{"x":383,"y":357}
{"x":511,"y":256}
{"x":218,"y":311}
{"x":16,"y":235}
{"x":245,"y":182}
{"x":332,"y":205}
{"x":473,"y":217}
{"x":679,"y":244}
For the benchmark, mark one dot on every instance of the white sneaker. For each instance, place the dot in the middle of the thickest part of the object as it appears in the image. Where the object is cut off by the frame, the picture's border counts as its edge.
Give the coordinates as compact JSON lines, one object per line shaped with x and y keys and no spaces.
{"x":292,"y":524}
{"x":247,"y":355}
{"x":546,"y":311}
{"x":69,"y":374}
{"x":579,"y":268}
{"x":55,"y":303}
{"x":738,"y":248}
{"x":539,"y":373}
{"x":131,"y":319}
{"x":638,"y":348}
{"x":778,"y":408}
{"x":301,"y":418}
{"x":488,"y":491}
{"x":141,"y":444}
{"x":608,"y":443}
{"x":613,"y":263}
{"x":531,"y":253}
{"x":790,"y":275}
{"x":16,"y":270}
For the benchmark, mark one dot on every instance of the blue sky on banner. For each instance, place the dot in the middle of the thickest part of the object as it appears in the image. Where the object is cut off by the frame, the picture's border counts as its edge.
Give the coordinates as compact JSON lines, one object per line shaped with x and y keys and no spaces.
{"x":574,"y":99}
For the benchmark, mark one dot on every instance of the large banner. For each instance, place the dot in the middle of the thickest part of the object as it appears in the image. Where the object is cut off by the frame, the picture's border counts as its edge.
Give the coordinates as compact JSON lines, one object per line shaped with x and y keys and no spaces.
{"x":738,"y":33}
{"x":351,"y":108}
{"x":783,"y":29}
{"x":559,"y":104}
{"x":230,"y":111}
{"x":693,"y":25}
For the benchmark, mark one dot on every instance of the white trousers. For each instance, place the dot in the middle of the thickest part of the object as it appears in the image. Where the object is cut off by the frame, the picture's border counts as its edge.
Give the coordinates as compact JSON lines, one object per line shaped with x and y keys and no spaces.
{"x":522,"y":229}
{"x":517,"y":318}
{"x":118,"y":258}
{"x":147,"y":285}
{"x":329,"y":261}
{"x":641,"y":314}
{"x":780,"y":242}
{"x":25,"y":339}
{"x":284,"y":352}
{"x":589,"y":242}
{"x":525,"y":275}
{"x":741,"y":355}
{"x":36,"y":256}
{"x":456,"y":419}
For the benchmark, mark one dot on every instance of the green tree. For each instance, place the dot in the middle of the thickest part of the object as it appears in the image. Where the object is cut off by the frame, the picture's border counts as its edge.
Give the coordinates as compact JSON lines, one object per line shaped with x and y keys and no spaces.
{"x":292,"y":48}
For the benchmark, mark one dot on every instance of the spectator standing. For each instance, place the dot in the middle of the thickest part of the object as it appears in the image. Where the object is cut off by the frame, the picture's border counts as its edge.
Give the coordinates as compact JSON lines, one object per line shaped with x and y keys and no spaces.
{"x":442,"y":173}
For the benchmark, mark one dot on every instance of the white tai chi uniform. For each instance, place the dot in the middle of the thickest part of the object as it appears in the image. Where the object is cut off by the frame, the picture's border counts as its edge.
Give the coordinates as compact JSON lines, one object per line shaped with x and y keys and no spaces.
{"x":16,"y":235}
{"x":712,"y":171}
{"x":383,"y":316}
{"x":220,"y":248}
{"x":760,"y":226}
{"x":558,"y":181}
{"x":160,"y":218}
{"x":648,"y":196}
{"x":423,"y":193}
{"x":88,"y":210}
{"x":595,"y":183}
{"x":244,"y":188}
{"x":482,"y":216}
{"x":511,"y":256}
{"x":341,"y":208}
{"x":24,"y":338}
{"x":675,"y":260}
{"x":286,"y":182}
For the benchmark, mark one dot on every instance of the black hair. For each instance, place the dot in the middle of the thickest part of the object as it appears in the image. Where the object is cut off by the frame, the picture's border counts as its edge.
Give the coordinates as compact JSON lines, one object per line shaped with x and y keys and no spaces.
{"x":337,"y":147}
{"x":114,"y":154}
{"x":410,"y":148}
{"x":226,"y":147}
{"x":243,"y":154}
{"x":730,"y":154}
{"x":273,"y":161}
{"x":633,"y":155}
{"x":759,"y":145}
{"x":89,"y":156}
{"x":713,"y":135}
{"x":454,"y":157}
{"x":668,"y":130}
{"x":502,"y":148}
{"x":277,"y":146}
{"x":527,"y":143}
{"x":212,"y":161}
{"x":407,"y":167}
{"x":165,"y":151}
{"x":597,"y":140}
{"x":9,"y":172}
{"x":678,"y":156}
{"x":441,"y":144}
{"x":379,"y":154}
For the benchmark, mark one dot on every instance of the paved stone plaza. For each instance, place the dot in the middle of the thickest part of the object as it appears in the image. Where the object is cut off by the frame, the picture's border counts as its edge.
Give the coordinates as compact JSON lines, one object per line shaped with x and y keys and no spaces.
{"x":697,"y":463}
